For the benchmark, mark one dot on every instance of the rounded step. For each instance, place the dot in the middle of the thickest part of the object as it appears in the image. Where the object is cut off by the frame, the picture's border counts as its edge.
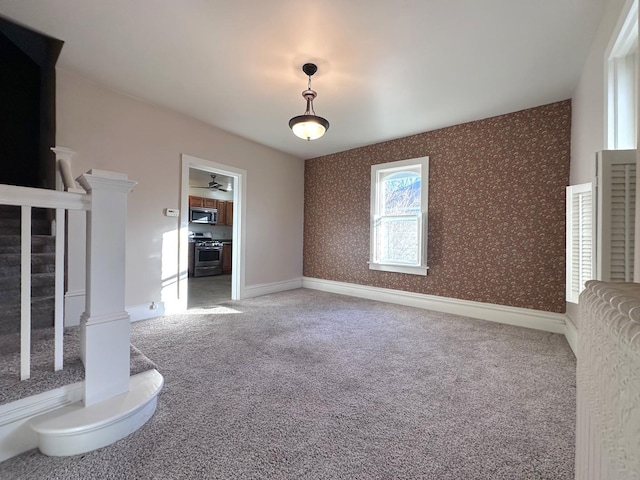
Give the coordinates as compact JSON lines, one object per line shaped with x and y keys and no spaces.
{"x":77,"y":429}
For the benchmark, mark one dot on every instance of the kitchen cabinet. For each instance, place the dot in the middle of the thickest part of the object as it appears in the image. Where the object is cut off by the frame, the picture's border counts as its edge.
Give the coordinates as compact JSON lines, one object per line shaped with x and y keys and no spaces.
{"x":229,"y":213}
{"x":226,"y":257}
{"x":222,"y":219}
{"x":196,"y":201}
{"x":202,"y":202}
{"x":192,"y":247}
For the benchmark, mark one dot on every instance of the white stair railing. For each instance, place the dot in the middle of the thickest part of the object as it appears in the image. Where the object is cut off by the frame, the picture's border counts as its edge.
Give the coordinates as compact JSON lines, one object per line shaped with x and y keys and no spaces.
{"x":105,"y":325}
{"x":29,"y":198}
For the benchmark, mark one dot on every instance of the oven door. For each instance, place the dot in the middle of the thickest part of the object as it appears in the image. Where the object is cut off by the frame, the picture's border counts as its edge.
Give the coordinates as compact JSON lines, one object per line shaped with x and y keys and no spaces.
{"x":207,"y":261}
{"x":208,"y":256}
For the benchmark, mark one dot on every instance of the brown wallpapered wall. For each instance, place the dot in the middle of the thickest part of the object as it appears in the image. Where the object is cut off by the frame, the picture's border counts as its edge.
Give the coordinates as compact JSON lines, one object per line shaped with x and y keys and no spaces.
{"x":496,"y":210}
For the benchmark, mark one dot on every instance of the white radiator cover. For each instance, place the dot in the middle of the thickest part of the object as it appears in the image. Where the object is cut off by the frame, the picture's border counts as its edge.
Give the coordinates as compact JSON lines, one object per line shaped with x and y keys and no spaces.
{"x":608,"y":382}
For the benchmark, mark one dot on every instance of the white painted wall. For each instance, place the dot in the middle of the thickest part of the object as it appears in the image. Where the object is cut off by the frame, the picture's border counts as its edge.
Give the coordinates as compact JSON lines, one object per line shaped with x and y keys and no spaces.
{"x":111,"y":131}
{"x":588,"y":106}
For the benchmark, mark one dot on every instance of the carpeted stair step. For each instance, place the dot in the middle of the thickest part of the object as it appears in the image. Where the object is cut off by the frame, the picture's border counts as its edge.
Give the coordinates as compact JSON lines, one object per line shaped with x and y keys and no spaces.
{"x":42,"y":285}
{"x":11,"y":226}
{"x":40,"y":263}
{"x":10,"y":220}
{"x":39,"y":244}
{"x":42,"y":269}
{"x":42,"y":314}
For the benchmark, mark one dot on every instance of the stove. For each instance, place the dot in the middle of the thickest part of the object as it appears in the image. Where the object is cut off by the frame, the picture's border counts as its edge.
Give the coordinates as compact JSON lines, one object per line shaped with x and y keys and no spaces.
{"x":207,"y":258}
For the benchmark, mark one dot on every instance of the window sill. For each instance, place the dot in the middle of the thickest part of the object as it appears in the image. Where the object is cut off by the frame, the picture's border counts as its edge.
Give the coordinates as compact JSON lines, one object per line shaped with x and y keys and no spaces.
{"x":411,"y":270}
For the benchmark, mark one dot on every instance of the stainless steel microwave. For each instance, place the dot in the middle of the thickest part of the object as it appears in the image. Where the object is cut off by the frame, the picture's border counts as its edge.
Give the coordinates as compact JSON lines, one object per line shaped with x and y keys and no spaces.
{"x":203,"y":215}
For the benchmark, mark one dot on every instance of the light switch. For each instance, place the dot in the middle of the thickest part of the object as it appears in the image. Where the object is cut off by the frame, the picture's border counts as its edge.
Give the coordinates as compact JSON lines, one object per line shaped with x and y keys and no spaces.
{"x":172,"y":212}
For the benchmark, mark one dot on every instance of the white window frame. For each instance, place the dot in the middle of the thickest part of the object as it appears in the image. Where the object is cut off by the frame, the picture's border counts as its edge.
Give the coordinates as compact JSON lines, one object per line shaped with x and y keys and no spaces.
{"x":621,"y":79}
{"x":421,"y":163}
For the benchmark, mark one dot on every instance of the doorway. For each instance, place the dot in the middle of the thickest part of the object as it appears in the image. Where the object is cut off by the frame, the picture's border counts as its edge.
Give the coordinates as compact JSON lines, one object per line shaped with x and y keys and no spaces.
{"x":211,"y":186}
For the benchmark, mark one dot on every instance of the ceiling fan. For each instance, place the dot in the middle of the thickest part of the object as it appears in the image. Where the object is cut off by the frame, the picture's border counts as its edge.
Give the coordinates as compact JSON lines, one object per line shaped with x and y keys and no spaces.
{"x":213,"y":185}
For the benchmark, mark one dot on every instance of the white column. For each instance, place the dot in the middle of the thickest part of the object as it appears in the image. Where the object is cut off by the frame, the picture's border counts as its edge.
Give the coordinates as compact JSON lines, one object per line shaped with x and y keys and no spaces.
{"x":105,"y":325}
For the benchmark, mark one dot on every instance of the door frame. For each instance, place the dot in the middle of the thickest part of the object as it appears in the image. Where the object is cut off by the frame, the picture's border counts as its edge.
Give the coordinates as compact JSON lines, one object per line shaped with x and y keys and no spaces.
{"x":239,"y":201}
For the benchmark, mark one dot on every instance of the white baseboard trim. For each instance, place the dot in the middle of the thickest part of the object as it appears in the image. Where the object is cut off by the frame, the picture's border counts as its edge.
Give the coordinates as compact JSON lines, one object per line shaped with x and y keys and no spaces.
{"x":144,"y":311}
{"x":571,"y":333}
{"x":250,"y":291}
{"x":16,"y":436}
{"x":521,"y":317}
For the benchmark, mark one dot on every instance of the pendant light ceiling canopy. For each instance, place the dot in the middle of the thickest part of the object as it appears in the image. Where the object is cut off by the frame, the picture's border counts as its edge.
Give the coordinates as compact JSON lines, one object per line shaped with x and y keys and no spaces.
{"x":309,"y":126}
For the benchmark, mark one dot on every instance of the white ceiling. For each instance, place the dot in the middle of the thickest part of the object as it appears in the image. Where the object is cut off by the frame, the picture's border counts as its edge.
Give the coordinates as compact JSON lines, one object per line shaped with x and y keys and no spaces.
{"x":386,"y":69}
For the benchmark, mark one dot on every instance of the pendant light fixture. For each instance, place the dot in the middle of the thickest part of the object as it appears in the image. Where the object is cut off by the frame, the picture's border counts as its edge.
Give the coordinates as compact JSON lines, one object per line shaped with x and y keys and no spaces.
{"x":309,"y":126}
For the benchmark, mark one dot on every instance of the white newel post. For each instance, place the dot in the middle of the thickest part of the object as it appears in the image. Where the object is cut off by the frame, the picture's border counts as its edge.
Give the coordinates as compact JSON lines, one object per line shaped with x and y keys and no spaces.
{"x":105,"y":325}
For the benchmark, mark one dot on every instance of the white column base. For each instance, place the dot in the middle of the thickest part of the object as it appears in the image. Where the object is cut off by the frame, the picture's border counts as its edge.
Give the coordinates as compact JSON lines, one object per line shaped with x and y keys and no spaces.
{"x":105,"y":352}
{"x":76,"y":429}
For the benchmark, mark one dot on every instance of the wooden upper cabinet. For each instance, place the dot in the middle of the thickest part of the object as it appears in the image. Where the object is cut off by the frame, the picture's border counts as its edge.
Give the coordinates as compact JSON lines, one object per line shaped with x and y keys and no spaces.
{"x":210,"y":202}
{"x":229,"y":213}
{"x":195,"y":201}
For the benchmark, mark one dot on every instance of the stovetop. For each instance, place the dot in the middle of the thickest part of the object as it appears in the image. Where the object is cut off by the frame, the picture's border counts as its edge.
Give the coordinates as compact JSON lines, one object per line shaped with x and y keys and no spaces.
{"x":204,"y":239}
{"x":208,"y":243}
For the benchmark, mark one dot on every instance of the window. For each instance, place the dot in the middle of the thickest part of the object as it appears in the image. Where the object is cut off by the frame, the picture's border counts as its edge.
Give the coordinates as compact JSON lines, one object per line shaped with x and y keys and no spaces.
{"x":580,"y":248}
{"x":622,"y":66}
{"x":399,"y":200}
{"x":601,"y":224}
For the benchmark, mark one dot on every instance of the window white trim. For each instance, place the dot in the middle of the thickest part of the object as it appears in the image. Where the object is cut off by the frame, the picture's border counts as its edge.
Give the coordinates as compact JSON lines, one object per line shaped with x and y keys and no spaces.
{"x":421,"y":164}
{"x":621,"y":60}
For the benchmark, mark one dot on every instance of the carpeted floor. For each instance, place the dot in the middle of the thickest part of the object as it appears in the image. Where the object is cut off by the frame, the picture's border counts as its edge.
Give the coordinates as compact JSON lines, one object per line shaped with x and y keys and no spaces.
{"x":311,"y":385}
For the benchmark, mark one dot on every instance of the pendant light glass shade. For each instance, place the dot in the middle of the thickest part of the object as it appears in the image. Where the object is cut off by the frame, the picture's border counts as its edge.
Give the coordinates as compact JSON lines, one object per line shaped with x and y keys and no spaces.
{"x":309,"y":126}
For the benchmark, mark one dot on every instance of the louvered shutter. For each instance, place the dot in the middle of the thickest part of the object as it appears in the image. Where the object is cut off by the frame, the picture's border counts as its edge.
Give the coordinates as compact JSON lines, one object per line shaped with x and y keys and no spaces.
{"x":580,"y":261}
{"x":616,"y":215}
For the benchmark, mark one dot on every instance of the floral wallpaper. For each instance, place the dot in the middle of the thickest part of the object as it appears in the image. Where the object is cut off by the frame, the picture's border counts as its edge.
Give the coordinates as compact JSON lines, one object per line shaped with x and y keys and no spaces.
{"x":496,"y":210}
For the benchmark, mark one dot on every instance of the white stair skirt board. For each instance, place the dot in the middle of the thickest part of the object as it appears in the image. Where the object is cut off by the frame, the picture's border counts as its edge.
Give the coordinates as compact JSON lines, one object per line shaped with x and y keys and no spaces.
{"x":16,"y":436}
{"x":274,"y":287}
{"x":521,"y":317}
{"x":78,"y":429}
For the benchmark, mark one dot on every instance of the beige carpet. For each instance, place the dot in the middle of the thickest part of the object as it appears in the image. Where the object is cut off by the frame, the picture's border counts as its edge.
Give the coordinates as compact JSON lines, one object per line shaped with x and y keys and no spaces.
{"x":310,"y":385}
